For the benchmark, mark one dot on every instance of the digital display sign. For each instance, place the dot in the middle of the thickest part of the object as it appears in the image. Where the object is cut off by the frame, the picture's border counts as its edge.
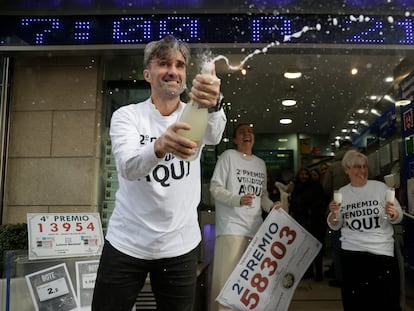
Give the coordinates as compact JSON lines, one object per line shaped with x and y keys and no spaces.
{"x":247,"y":5}
{"x":205,"y":28}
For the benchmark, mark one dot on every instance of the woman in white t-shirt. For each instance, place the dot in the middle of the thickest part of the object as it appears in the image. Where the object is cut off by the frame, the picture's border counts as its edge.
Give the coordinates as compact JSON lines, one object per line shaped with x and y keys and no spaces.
{"x":239,"y":187}
{"x":365,"y":218}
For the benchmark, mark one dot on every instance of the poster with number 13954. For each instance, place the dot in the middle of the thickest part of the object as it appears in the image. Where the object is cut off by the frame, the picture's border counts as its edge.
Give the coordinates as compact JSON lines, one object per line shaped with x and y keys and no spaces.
{"x":269,"y":271}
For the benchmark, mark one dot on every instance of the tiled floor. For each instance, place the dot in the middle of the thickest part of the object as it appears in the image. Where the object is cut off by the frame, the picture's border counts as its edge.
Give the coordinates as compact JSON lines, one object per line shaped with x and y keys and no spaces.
{"x":316,"y":296}
{"x":319,"y":296}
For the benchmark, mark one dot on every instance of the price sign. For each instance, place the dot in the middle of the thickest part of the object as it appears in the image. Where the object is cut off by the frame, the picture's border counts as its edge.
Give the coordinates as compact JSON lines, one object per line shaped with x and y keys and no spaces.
{"x":64,"y":235}
{"x":88,"y":280}
{"x":52,"y":289}
{"x":272,"y":266}
{"x":85,"y":281}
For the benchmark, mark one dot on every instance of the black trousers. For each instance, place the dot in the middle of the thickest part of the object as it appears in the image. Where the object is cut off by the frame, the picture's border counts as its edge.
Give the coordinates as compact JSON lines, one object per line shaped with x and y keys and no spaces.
{"x":121,"y":277}
{"x":370,"y":282}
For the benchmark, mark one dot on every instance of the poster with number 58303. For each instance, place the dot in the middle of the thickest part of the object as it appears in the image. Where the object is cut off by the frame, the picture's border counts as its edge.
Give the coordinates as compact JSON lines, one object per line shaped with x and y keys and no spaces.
{"x":269,"y":271}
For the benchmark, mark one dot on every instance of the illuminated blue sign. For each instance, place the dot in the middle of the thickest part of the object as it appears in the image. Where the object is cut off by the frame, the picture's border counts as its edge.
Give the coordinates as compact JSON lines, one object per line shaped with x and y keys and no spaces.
{"x":211,"y":28}
{"x":247,"y":5}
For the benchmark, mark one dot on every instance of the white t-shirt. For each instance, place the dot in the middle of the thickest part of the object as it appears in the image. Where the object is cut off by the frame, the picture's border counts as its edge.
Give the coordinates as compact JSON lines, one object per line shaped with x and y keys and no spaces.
{"x":362,"y":222}
{"x":234,"y":176}
{"x":155,"y":213}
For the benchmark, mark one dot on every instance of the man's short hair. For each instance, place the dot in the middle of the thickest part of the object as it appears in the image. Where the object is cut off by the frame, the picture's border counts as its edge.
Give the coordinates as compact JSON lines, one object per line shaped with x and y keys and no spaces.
{"x":162,"y":49}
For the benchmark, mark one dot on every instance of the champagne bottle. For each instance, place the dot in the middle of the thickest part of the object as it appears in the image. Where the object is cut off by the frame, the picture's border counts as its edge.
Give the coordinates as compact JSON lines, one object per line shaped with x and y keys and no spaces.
{"x":197,"y":117}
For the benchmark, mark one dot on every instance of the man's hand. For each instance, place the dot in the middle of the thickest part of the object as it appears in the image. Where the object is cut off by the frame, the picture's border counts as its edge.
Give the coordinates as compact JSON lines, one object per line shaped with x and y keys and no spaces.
{"x":172,"y":142}
{"x":206,"y":89}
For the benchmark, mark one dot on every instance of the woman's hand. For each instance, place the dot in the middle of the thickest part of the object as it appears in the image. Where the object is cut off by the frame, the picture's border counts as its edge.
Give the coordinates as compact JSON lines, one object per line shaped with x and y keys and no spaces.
{"x":391,"y":211}
{"x":247,"y":199}
{"x":334,"y":209}
{"x":277,"y":204}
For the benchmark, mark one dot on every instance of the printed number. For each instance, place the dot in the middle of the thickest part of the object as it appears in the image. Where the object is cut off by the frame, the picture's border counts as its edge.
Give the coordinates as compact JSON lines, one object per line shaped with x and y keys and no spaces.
{"x":250,"y":300}
{"x":54,"y":227}
{"x":52,"y":291}
{"x":90,"y":226}
{"x":288,"y":233}
{"x":268,"y":263}
{"x":259,"y":282}
{"x":236,"y":287}
{"x":66,"y":226}
{"x":79,"y":226}
{"x":278,"y":250}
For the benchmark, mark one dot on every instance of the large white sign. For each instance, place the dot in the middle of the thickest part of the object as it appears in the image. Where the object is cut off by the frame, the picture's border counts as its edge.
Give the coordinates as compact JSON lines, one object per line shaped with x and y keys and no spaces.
{"x":269,"y":271}
{"x":64,"y":235}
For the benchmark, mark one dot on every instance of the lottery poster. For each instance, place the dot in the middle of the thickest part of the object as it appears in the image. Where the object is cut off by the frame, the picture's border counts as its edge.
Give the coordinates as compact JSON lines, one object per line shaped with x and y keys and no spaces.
{"x":52,"y":289}
{"x":269,"y":271}
{"x":64,"y":235}
{"x":85,"y":281}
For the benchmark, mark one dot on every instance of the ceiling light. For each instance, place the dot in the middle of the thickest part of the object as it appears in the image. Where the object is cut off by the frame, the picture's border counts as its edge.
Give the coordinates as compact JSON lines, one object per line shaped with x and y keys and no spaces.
{"x":344,"y":130}
{"x":375,"y":112}
{"x":243,"y":72}
{"x":354,"y":71}
{"x":351,"y":122}
{"x":282,"y":140}
{"x":292,"y":74}
{"x":389,"y":98}
{"x":361,"y":111}
{"x":389,"y":79}
{"x":288,"y":102}
{"x":373,"y":97}
{"x":285,"y":121}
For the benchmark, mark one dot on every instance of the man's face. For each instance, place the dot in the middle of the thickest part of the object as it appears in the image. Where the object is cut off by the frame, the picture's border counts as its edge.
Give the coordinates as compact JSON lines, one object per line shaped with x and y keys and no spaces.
{"x":167,"y":76}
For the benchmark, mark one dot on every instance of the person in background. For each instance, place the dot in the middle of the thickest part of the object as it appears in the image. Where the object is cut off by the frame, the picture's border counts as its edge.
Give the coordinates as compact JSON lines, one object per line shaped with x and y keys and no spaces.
{"x":366,"y":218}
{"x":239,"y":187}
{"x":308,"y":207}
{"x":323,"y":168}
{"x":335,"y":177}
{"x":154,"y":227}
{"x":315,"y":175}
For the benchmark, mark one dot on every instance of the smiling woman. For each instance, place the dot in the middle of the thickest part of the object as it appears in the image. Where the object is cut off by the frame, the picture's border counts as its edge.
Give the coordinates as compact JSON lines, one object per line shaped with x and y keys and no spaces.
{"x":368,"y":255}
